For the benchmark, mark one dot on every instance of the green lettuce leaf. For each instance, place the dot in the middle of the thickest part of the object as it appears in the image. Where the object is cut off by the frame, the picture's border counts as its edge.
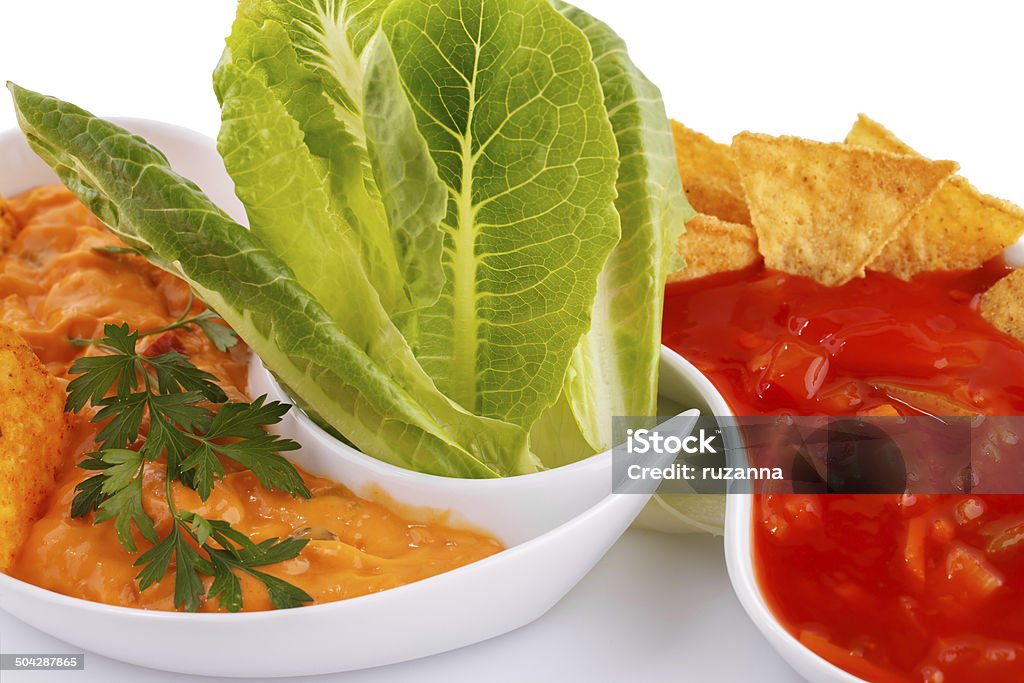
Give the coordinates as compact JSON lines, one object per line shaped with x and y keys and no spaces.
{"x":309,"y":54}
{"x":411,"y":191}
{"x":461,"y":213}
{"x":290,"y":212}
{"x":129,"y":185}
{"x":329,"y":37}
{"x":614,"y":369}
{"x":508,"y":100}
{"x":684,"y":513}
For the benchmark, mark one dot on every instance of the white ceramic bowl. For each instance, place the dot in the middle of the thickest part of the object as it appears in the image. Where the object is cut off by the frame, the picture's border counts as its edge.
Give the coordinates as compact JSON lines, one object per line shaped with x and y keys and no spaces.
{"x":739,"y":556}
{"x":550,"y":549}
{"x":465,"y":606}
{"x":513,"y":509}
{"x":445,"y":612}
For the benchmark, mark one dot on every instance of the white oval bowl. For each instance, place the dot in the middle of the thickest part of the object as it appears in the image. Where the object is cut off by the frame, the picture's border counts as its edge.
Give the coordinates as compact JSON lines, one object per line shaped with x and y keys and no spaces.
{"x":461,"y":607}
{"x":513,"y":509}
{"x":458,"y":608}
{"x":739,"y":557}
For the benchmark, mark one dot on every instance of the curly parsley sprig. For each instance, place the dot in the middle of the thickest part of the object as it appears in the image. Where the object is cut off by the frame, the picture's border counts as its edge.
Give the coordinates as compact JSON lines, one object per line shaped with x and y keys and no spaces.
{"x":126,"y":386}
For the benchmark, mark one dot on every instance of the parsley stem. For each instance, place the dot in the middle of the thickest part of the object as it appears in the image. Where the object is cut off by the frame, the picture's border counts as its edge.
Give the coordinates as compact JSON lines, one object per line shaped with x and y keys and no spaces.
{"x":181,"y":322}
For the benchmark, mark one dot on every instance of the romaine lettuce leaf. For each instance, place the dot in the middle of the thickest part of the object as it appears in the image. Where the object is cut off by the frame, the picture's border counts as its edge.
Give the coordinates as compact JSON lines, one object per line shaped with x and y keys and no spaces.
{"x":329,"y":37}
{"x":309,"y":53}
{"x":470,"y":205}
{"x":508,"y":100}
{"x":411,"y":191}
{"x":614,"y":369}
{"x":289,"y":209}
{"x":129,"y":185}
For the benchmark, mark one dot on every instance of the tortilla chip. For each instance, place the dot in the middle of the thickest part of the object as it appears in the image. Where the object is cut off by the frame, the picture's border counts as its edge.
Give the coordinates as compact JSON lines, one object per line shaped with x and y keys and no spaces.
{"x":1003,"y":305}
{"x":709,"y":176}
{"x":961,"y":228}
{"x":8,"y":226}
{"x":827,"y":210}
{"x":32,"y":432}
{"x":711,"y":245}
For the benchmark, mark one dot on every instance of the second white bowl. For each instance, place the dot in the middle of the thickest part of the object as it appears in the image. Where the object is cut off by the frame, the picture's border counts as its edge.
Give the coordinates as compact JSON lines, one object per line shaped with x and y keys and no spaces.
{"x":514,"y":509}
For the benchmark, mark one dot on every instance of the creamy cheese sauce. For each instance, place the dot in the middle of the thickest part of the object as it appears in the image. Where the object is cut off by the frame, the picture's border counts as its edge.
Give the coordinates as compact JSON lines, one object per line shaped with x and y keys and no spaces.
{"x":57,"y":284}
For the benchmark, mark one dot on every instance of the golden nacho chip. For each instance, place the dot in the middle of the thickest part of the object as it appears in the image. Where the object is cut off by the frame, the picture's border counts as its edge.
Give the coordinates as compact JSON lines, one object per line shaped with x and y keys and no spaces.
{"x":867,"y":132}
{"x":711,"y":245}
{"x":709,"y":175}
{"x":961,"y":228}
{"x":32,"y":432}
{"x":827,"y":210}
{"x":1003,"y":305}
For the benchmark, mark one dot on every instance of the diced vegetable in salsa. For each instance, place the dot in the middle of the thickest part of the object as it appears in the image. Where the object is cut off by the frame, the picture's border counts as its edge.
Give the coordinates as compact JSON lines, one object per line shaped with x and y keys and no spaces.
{"x":904,"y":587}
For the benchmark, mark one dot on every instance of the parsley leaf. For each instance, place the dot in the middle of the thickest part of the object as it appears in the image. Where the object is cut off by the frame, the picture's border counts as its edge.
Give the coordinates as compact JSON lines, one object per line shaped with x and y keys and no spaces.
{"x":181,"y":409}
{"x":257,"y":450}
{"x":225,"y":587}
{"x":156,"y":561}
{"x":125,"y":415}
{"x":175,"y":395}
{"x":97,"y":375}
{"x":165,"y":438}
{"x":122,"y":466}
{"x":246,"y":420}
{"x":124,"y":506}
{"x":260,"y":454}
{"x":188,"y":585}
{"x":206,"y":467}
{"x":238,"y":552}
{"x":88,"y":497}
{"x":222,"y":336}
{"x":283,"y":595}
{"x":120,"y":338}
{"x":175,"y":373}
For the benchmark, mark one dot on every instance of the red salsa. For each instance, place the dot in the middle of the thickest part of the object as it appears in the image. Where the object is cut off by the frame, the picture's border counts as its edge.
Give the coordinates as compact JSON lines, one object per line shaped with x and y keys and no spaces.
{"x":888,"y":587}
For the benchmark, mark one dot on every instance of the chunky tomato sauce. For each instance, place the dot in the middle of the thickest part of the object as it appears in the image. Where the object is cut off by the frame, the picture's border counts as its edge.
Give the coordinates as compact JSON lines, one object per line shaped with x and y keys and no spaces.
{"x":888,"y":587}
{"x":56,"y":283}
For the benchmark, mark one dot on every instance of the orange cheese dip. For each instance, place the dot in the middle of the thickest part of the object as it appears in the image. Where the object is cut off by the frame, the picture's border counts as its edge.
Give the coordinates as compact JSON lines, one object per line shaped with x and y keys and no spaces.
{"x":55,"y":285}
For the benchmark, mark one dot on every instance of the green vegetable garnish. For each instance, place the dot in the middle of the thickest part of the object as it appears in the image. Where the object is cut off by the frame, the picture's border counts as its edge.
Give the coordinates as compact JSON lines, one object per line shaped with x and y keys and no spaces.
{"x":614,"y":368}
{"x":192,"y":438}
{"x":461,"y":216}
{"x":384,"y":403}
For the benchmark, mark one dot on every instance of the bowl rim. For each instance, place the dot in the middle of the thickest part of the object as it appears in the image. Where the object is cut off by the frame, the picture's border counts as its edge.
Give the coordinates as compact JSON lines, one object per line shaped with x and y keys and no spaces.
{"x":68,"y":601}
{"x":693,"y":375}
{"x":739,"y":561}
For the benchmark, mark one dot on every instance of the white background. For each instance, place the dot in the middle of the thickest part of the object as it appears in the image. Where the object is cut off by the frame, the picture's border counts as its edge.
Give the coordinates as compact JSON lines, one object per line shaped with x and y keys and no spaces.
{"x":944,"y":76}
